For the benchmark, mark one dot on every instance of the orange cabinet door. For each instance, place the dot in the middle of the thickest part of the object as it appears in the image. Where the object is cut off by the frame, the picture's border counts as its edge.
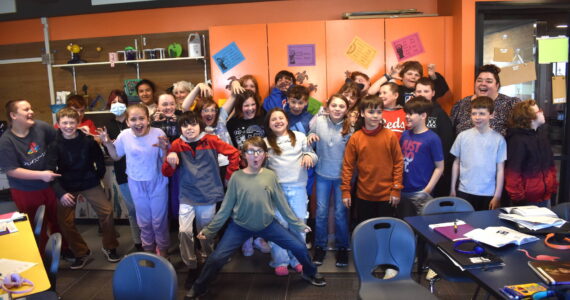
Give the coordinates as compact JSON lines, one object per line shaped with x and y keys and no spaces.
{"x":432,"y":34}
{"x":340,"y":35}
{"x":281,"y":35}
{"x":252,"y":42}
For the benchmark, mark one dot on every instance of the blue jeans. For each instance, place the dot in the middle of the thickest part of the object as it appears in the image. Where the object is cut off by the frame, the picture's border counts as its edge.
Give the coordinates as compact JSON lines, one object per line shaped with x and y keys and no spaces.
{"x":234,"y":237}
{"x":324,"y":188}
{"x":128,"y":199}
{"x":297,"y":198}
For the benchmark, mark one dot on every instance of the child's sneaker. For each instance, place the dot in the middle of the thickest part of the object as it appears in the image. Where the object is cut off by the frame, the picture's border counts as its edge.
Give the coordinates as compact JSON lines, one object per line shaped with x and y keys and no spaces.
{"x":67,"y":255}
{"x":247,"y":247}
{"x":390,"y":273}
{"x":111,"y":255}
{"x":298,"y":268}
{"x":316,"y":280}
{"x":319,"y":256}
{"x":281,"y":271}
{"x":261,"y":245}
{"x":341,"y":257}
{"x":80,"y":262}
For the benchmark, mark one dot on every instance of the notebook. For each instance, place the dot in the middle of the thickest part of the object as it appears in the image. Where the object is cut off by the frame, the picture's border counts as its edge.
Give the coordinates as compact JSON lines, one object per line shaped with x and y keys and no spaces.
{"x":552,"y":272}
{"x":451,"y":233}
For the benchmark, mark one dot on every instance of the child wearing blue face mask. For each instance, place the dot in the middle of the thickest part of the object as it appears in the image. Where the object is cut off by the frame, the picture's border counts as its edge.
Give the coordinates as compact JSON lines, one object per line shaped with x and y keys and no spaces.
{"x":117,"y":104}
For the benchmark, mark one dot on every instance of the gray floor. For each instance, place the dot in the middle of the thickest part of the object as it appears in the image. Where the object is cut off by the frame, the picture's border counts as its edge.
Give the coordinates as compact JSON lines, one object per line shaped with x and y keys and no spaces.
{"x":242,"y":278}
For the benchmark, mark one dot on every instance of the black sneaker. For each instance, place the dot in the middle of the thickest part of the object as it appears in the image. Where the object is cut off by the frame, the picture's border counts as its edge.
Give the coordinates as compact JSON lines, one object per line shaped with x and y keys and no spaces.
{"x":111,"y":255}
{"x":319,"y":256}
{"x":67,"y":255}
{"x":191,"y":277}
{"x":139,"y":248}
{"x":80,"y":262}
{"x":191,"y":295}
{"x":341,"y":257}
{"x":316,"y":280}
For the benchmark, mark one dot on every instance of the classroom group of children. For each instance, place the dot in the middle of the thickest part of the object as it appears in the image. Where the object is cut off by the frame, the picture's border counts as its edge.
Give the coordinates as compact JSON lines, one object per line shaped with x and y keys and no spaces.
{"x":381,"y":149}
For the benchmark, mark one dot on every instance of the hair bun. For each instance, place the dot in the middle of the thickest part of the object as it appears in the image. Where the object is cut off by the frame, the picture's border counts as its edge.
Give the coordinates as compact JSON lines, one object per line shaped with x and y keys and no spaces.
{"x":490,"y":68}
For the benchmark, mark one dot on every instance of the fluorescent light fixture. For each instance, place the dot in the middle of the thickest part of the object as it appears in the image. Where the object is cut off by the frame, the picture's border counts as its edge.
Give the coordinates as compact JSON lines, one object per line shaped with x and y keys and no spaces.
{"x":562,"y":26}
{"x":7,"y":6}
{"x":107,"y":2}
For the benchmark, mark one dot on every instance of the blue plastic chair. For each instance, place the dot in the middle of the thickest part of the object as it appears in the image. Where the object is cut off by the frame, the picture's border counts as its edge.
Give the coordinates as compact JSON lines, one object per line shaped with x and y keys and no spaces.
{"x":435,"y":260}
{"x":51,"y":263}
{"x":444,"y":205}
{"x":562,"y":210}
{"x":386,"y":241}
{"x":141,"y":276}
{"x":39,"y":221}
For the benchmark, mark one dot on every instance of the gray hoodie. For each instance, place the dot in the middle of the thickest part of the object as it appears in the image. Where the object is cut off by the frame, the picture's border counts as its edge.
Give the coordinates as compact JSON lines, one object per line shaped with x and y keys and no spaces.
{"x":330,"y":147}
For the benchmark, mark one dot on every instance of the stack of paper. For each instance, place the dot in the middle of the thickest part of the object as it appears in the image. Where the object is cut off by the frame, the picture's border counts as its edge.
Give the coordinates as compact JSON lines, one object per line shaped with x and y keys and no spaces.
{"x":11,"y":216}
{"x":500,"y":236}
{"x":532,"y":217}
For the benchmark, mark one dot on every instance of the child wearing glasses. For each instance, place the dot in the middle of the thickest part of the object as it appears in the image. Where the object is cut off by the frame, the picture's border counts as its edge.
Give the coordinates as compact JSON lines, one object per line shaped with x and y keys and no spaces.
{"x":289,"y":157}
{"x":253,"y":195}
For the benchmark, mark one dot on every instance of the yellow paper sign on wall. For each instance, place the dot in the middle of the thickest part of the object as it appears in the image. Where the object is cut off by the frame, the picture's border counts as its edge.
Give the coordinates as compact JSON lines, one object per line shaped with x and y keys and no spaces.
{"x":551,"y":50}
{"x":361,"y":52}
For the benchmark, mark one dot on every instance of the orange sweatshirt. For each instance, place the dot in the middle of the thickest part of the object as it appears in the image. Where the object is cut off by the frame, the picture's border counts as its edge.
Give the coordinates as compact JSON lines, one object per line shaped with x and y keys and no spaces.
{"x":378,"y":159}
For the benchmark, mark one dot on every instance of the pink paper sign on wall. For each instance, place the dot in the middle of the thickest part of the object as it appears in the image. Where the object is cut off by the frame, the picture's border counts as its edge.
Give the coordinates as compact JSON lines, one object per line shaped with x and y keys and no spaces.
{"x":408,"y":46}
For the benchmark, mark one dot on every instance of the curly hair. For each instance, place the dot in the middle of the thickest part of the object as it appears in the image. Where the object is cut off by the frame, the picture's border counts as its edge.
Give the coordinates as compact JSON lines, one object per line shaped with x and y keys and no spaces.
{"x":522,"y":115}
{"x":490,"y":68}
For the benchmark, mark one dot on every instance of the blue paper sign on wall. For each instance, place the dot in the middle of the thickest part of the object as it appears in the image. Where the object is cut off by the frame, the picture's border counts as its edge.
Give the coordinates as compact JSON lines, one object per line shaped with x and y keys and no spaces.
{"x":229,"y":57}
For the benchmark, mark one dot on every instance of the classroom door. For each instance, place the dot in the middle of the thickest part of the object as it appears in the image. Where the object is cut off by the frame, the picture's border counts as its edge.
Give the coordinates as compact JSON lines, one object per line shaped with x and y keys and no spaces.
{"x":251,"y":40}
{"x":353,"y":45}
{"x":300,"y":48}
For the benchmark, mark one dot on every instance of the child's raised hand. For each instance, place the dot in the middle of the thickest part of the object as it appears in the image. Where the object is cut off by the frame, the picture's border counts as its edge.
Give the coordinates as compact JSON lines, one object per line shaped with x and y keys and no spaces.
{"x":103,"y":135}
{"x":67,"y":200}
{"x":163,"y":143}
{"x":395,"y":71}
{"x":172,"y":159}
{"x":312,"y":138}
{"x":307,"y":161}
{"x":201,"y":236}
{"x":236,"y":88}
{"x":347,"y":202}
{"x":205,"y":90}
{"x":431,"y":71}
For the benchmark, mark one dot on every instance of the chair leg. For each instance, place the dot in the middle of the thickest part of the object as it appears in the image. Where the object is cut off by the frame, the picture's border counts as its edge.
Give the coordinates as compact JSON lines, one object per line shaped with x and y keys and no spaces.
{"x":476,"y":292}
{"x":432,"y":282}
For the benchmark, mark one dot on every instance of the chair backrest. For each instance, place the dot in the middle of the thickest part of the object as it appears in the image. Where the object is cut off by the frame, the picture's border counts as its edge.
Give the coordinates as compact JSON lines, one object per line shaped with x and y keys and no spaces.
{"x":141,"y":276}
{"x":39,"y":221}
{"x":7,"y":206}
{"x":443,"y":205}
{"x":562,"y":210}
{"x":51,"y":257}
{"x":383,"y":241}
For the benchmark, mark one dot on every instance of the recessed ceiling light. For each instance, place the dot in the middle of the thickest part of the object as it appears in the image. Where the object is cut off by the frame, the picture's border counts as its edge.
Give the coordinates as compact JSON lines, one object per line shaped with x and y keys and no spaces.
{"x":562,"y":26}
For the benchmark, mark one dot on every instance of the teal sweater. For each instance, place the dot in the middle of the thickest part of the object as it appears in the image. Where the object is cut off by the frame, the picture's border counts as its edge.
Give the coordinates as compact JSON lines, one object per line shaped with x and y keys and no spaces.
{"x":251,"y":200}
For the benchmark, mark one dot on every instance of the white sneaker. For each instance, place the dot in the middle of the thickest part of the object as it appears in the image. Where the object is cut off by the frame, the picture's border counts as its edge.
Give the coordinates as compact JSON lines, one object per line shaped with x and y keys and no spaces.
{"x":261,"y":245}
{"x":247,"y":247}
{"x":390,"y":273}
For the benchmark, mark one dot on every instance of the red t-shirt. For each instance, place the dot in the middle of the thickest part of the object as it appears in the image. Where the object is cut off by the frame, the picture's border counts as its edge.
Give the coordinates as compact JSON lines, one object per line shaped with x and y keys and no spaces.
{"x":395,"y":120}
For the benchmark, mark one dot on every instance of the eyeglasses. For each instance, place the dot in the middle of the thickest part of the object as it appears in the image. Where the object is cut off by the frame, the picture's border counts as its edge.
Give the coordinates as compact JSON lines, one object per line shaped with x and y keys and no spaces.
{"x":209,"y":110}
{"x":254,"y":152}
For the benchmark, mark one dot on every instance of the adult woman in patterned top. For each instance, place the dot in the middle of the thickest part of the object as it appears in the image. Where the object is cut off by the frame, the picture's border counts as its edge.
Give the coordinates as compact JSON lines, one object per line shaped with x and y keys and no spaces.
{"x":487,"y":83}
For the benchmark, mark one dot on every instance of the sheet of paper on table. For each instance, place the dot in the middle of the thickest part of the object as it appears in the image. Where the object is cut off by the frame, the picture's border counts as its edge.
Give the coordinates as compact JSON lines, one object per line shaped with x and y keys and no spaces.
{"x":9,"y":266}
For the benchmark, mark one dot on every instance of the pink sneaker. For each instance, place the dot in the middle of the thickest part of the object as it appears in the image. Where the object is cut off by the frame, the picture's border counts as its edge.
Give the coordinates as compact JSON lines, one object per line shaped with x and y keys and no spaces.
{"x":281,"y":271}
{"x":298,"y":268}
